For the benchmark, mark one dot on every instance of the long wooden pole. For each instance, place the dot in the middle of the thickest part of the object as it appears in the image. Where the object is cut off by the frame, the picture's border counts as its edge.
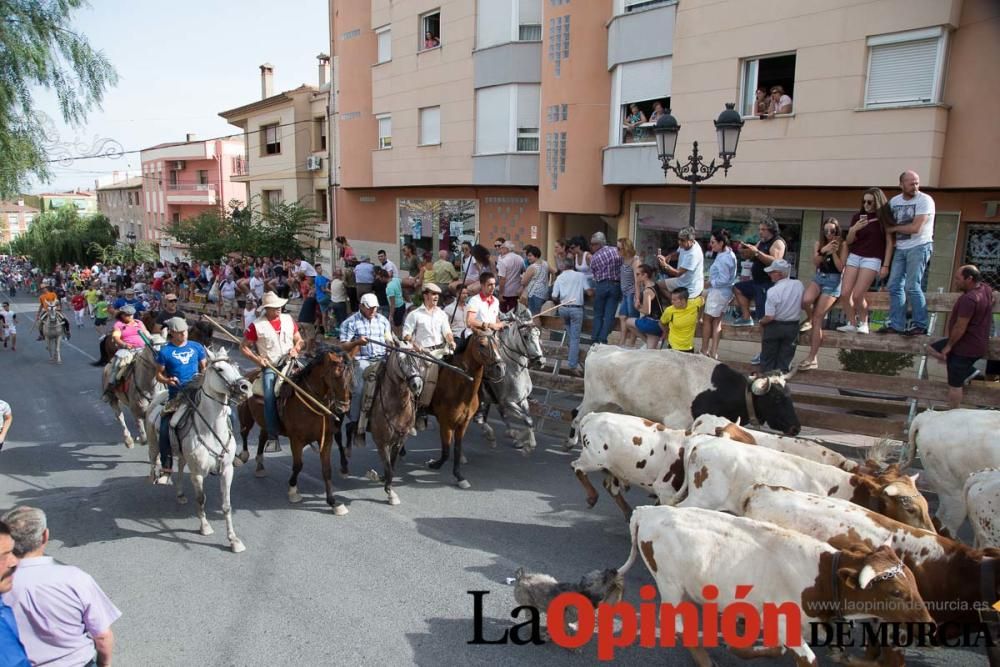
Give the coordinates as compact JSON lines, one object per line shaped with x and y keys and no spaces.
{"x":555,"y":307}
{"x":302,"y":392}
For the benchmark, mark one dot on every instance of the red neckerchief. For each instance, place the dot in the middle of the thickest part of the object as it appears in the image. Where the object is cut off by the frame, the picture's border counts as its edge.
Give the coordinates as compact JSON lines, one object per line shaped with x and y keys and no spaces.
{"x":488,"y":300}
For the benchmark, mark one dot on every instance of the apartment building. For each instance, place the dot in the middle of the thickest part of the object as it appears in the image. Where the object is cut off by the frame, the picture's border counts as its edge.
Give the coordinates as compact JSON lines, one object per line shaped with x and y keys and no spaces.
{"x":15,"y":217}
{"x":441,"y":101}
{"x":120,"y":200}
{"x":185,"y":178}
{"x":84,"y":201}
{"x":287,"y":156}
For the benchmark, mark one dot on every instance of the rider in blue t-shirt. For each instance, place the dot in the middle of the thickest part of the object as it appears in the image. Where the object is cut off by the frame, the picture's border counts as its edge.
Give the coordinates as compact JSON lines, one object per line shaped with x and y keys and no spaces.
{"x":177,"y":363}
{"x":128,"y":300}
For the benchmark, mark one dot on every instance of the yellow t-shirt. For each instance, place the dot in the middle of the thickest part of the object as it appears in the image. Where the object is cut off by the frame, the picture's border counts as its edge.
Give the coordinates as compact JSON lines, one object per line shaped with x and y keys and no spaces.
{"x":682,"y":323}
{"x":91,"y":296}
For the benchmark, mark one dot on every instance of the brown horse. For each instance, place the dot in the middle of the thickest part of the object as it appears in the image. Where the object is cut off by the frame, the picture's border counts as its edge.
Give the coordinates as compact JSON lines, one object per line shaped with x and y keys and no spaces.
{"x":105,"y":344}
{"x":456,"y":399}
{"x":327,"y":377}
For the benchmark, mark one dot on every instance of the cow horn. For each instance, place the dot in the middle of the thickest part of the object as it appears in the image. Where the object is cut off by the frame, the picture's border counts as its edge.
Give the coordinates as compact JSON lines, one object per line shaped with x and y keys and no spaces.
{"x":891,"y":490}
{"x":865,"y":576}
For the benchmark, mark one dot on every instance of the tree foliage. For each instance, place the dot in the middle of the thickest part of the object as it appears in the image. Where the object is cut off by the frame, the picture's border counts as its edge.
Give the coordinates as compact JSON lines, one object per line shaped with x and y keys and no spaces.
{"x":120,"y":253}
{"x":64,"y":236}
{"x":284,"y":230}
{"x":38,"y":48}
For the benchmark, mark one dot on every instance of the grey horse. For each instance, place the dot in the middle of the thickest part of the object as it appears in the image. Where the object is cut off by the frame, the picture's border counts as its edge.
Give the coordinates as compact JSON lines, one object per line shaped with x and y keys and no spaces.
{"x":521,"y":349}
{"x":54,"y":328}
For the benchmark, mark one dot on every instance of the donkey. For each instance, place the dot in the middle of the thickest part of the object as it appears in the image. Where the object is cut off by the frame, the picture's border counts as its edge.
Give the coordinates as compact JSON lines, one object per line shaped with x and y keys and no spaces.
{"x":456,"y":399}
{"x":521,"y":348}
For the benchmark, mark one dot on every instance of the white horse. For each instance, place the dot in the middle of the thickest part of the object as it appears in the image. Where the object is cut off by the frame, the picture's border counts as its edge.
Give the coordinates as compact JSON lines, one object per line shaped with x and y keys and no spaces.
{"x":201,"y":435}
{"x":52,"y":329}
{"x":136,"y":389}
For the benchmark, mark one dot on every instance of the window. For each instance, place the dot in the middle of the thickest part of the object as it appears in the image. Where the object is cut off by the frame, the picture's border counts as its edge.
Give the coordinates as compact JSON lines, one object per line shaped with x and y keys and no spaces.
{"x":529,"y":20}
{"x":437,"y":224}
{"x":321,"y":205}
{"x":270,"y":198}
{"x":384,"y":37}
{"x":173,"y":177}
{"x":176,"y":217}
{"x":768,"y":74}
{"x":430,"y":126}
{"x":28,"y":218}
{"x":905,"y":68}
{"x":270,"y":140}
{"x":527,"y":139}
{"x":430,"y":30}
{"x":635,"y":5}
{"x":203,"y":177}
{"x":319,"y":134}
{"x":642,"y":85}
{"x":384,"y":131}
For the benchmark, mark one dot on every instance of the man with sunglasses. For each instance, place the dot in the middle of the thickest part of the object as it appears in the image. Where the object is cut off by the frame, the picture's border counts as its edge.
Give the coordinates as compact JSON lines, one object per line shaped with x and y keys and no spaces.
{"x":363,"y":331}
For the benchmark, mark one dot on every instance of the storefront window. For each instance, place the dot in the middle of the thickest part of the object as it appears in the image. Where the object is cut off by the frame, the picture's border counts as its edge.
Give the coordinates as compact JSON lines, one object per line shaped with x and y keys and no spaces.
{"x":657,"y":226}
{"x":982,"y":249}
{"x":437,"y":224}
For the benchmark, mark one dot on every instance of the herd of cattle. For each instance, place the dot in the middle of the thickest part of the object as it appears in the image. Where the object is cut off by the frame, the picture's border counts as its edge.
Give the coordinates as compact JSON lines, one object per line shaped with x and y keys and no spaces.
{"x":735,"y":506}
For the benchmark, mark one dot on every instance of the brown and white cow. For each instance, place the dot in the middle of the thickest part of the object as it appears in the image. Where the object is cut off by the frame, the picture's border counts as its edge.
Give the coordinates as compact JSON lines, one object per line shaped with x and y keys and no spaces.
{"x":717,"y":474}
{"x":687,"y":549}
{"x":723,"y":428}
{"x":952,"y":445}
{"x":949,"y":574}
{"x":632,"y":451}
{"x":982,"y":502}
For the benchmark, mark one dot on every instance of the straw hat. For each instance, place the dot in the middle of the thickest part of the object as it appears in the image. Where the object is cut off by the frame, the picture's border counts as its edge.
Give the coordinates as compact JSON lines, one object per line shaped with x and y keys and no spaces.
{"x":272,"y":300}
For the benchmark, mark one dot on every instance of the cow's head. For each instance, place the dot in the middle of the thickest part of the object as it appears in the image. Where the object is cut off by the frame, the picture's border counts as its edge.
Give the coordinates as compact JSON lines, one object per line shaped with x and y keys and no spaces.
{"x":772,"y":400}
{"x":875,"y":582}
{"x":900,"y":499}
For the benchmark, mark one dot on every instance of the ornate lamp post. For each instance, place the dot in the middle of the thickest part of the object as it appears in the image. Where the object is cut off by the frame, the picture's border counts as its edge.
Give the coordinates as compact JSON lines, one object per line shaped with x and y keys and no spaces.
{"x":694,"y":171}
{"x":130,"y":237}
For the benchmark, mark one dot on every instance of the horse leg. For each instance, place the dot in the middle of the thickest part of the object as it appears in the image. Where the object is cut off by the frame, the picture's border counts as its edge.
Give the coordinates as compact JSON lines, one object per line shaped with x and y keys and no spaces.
{"x":457,"y":465}
{"x":261,"y":441}
{"x":293,"y":481}
{"x":138,"y":413}
{"x":487,"y":429}
{"x":526,"y":436}
{"x":120,"y":415}
{"x":339,"y":437}
{"x":445,"y":432}
{"x":338,"y":507}
{"x":198,"y":480}
{"x":243,"y":456}
{"x":179,"y":478}
{"x":225,"y":482}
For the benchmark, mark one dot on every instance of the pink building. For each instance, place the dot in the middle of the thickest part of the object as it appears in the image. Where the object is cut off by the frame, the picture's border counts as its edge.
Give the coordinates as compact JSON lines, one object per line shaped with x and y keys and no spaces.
{"x":185,"y":178}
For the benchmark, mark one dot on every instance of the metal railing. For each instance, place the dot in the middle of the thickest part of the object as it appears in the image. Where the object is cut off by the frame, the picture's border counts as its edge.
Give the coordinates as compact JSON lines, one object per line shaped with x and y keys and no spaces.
{"x":201,"y":187}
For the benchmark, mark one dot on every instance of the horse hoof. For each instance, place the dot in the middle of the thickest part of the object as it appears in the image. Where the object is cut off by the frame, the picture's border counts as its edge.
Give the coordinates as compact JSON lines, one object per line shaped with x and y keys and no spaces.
{"x":340,"y":510}
{"x":129,"y":444}
{"x":372,"y":475}
{"x":237,"y":462}
{"x":434,"y":465}
{"x":207,"y":530}
{"x":344,"y":472}
{"x":393,"y":498}
{"x":464,"y":460}
{"x":294,"y":496}
{"x":182,"y":500}
{"x":237,"y":546}
{"x":464,"y":484}
{"x":260,"y":472}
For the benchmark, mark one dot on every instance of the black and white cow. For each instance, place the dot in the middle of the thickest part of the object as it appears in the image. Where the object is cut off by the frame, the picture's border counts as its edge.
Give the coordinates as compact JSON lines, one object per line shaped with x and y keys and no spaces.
{"x":672,"y":388}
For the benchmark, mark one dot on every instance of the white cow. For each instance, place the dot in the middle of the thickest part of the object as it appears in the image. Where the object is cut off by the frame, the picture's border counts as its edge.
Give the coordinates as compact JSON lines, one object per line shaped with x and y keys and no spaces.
{"x":948,"y":573}
{"x":952,"y":445}
{"x":982,"y":501}
{"x":807,"y":449}
{"x":718,"y":473}
{"x":686,"y":550}
{"x":632,"y":451}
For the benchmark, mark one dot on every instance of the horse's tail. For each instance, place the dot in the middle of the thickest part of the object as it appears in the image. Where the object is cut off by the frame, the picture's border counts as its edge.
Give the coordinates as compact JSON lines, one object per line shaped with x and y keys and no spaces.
{"x":103,"y":351}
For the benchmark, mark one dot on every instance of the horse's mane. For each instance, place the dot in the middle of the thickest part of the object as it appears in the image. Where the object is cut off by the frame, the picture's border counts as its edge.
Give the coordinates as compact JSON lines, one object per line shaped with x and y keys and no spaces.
{"x":317,"y":357}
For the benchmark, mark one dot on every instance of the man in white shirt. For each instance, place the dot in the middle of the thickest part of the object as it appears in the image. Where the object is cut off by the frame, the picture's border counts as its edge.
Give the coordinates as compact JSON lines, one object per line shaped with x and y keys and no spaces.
{"x":307,"y":268}
{"x":257,"y":287}
{"x":6,"y":419}
{"x":568,"y":290}
{"x":913,"y":215}
{"x":427,"y":326}
{"x":510,"y":266}
{"x":781,"y":318}
{"x":482,"y":313}
{"x":387,"y":264}
{"x":690,"y":271}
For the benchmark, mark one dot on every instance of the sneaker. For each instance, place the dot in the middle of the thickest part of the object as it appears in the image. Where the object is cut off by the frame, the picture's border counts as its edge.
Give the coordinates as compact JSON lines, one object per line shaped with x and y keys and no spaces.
{"x":972,"y":376}
{"x":740,"y":322}
{"x":756,"y":360}
{"x":887,"y":329}
{"x":849,"y":328}
{"x":272,"y":446}
{"x":915,"y":331}
{"x":863,"y":328}
{"x":806,"y":326}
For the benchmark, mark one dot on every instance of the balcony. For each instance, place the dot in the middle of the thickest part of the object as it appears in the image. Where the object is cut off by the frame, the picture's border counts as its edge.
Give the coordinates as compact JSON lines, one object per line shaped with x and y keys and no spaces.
{"x":240,"y":169}
{"x":645,"y":31}
{"x":632,"y":164}
{"x":191,"y":193}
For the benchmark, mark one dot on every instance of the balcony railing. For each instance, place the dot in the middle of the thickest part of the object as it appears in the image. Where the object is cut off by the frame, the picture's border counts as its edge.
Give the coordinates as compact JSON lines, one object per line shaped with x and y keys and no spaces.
{"x":202,"y":187}
{"x":240,"y":166}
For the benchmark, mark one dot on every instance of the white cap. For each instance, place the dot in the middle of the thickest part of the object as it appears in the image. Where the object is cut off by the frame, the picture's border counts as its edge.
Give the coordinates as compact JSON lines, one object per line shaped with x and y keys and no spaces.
{"x":369,"y":300}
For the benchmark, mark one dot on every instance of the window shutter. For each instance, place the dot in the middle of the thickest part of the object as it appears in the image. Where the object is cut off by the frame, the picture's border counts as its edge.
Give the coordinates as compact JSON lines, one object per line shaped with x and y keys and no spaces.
{"x":430,"y":125}
{"x":645,"y":80}
{"x":384,"y":46}
{"x":902,"y":73}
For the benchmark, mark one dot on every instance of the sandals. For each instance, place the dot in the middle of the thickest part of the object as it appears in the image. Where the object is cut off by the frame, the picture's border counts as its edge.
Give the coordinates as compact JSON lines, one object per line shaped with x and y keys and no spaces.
{"x":809,"y":365}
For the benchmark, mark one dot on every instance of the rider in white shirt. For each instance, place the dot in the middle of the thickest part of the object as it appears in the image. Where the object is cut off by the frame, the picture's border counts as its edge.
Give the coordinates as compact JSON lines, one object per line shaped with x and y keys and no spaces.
{"x":482,"y":313}
{"x":427,"y":326}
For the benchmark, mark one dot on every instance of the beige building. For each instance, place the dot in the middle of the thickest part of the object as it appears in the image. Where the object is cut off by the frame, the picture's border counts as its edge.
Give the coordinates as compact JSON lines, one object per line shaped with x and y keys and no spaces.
{"x":15,"y":217}
{"x":121,"y":202}
{"x":516,"y":112}
{"x":287,"y":144}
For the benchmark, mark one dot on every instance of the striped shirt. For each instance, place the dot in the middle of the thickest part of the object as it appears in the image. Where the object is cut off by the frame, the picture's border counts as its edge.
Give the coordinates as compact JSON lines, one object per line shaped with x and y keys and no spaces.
{"x":605,"y":264}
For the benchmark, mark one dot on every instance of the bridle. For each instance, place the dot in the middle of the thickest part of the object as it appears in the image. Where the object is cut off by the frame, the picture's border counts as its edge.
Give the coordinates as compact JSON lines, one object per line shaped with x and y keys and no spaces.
{"x":493,"y":371}
{"x":232,"y":387}
{"x":520,"y":347}
{"x":407,"y":370}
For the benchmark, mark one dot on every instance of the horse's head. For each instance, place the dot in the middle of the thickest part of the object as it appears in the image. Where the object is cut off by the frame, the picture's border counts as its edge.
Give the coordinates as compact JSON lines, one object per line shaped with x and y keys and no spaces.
{"x":223,"y":378}
{"x":412,"y":371}
{"x":528,"y":338}
{"x":338,"y":376}
{"x":485,"y":348}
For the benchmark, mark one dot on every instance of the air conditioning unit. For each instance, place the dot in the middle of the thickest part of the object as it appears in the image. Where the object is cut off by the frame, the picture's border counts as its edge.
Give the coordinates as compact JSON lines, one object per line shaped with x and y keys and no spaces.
{"x":314,"y":163}
{"x":179,"y":164}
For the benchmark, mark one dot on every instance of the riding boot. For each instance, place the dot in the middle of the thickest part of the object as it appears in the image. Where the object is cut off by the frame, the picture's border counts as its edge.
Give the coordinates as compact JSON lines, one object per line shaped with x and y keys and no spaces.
{"x":480,"y":417}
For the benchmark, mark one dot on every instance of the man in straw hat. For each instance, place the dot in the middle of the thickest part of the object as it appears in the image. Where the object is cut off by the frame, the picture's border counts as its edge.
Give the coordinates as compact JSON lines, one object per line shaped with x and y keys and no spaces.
{"x":177,"y":363}
{"x":356,"y":333}
{"x":269,"y":340}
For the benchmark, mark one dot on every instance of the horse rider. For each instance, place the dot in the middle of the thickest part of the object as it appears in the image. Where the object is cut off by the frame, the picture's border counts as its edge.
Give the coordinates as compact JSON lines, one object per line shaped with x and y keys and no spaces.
{"x":177,"y":363}
{"x":128,"y":300}
{"x":45,"y":299}
{"x":482,"y":312}
{"x":357,"y":332}
{"x":128,"y":335}
{"x":269,"y":342}
{"x":428,"y":328}
{"x":170,"y":311}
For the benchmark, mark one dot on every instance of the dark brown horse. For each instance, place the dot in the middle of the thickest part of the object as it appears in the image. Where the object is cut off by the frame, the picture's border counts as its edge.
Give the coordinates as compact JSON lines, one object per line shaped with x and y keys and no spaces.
{"x":456,"y":399}
{"x":327,"y":377}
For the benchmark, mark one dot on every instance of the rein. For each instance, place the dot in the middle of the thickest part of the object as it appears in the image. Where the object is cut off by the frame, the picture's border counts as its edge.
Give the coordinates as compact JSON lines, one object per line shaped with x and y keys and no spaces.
{"x":381,"y":398}
{"x":323,"y":417}
{"x":221,"y":454}
{"x":516,"y":354}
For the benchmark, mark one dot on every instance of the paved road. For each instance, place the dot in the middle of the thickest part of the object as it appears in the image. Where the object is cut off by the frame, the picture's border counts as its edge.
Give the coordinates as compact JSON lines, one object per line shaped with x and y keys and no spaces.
{"x":381,"y":585}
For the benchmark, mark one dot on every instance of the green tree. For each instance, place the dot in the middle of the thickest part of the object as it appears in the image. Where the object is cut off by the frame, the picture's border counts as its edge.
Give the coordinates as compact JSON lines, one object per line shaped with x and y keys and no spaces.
{"x":38,"y":48}
{"x":207,"y":235}
{"x":63,"y":236}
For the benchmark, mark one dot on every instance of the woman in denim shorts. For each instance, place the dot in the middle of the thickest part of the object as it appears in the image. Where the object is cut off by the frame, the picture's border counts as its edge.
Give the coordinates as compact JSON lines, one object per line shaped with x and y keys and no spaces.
{"x":870,"y":256}
{"x":627,"y":309}
{"x":830,"y":257}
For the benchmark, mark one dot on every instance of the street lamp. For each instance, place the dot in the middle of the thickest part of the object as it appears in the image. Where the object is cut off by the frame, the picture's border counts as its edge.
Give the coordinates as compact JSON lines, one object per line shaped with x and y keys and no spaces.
{"x":130,"y":237}
{"x":694,"y":171}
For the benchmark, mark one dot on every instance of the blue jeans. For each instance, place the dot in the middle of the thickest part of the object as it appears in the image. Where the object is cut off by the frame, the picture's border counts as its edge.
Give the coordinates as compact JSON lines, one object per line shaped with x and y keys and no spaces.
{"x":573,"y":318}
{"x":535,"y":304}
{"x":268,"y":377}
{"x":905,"y":281}
{"x":166,"y":456}
{"x":607,"y":294}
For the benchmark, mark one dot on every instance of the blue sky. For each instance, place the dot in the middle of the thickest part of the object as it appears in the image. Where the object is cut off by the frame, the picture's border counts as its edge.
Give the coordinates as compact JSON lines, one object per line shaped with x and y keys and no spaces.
{"x":179,"y":64}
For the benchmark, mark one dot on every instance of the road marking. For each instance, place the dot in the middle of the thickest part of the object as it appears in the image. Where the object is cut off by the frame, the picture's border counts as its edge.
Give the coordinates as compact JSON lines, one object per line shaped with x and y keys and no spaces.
{"x":65,"y":342}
